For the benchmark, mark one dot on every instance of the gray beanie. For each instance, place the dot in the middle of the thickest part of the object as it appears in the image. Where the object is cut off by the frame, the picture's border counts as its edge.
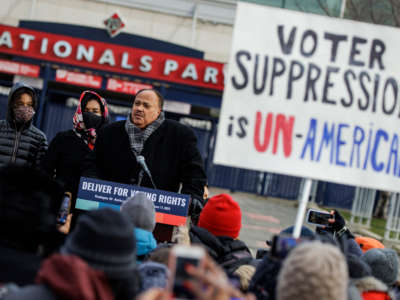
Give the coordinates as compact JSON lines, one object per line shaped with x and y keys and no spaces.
{"x":384,"y":264}
{"x":313,"y":270}
{"x":140,"y":210}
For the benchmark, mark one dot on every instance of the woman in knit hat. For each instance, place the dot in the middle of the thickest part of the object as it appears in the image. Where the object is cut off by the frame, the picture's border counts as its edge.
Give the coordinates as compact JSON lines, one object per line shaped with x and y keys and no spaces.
{"x":313,"y":271}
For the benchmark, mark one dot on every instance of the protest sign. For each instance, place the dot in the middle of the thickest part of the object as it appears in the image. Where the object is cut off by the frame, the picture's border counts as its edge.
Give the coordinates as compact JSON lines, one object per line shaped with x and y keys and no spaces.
{"x":312,"y":96}
{"x":171,"y":208}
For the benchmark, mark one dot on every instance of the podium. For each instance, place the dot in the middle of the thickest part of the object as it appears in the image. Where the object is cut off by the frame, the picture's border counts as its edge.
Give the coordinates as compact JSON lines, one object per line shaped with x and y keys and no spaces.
{"x":171,"y":208}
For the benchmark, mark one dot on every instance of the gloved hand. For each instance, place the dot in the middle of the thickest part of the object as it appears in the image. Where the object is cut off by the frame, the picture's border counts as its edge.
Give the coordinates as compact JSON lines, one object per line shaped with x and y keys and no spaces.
{"x":337,"y":222}
{"x":338,"y":226}
{"x":195,"y":208}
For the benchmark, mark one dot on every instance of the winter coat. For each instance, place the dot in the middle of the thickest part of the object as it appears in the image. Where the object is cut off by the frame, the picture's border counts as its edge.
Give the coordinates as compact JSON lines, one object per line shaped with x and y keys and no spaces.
{"x":67,"y":151}
{"x":145,"y":243}
{"x":229,"y":253}
{"x":22,"y":144}
{"x":371,"y":288}
{"x":170,"y":153}
{"x":65,"y":277}
{"x":264,"y":281}
{"x":64,"y":159}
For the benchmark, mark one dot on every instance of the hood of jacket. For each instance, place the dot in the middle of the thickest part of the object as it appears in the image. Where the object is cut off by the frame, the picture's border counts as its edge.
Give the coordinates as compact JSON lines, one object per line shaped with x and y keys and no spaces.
{"x":86,"y":95}
{"x":372,"y":288}
{"x":145,"y":241}
{"x":14,"y":89}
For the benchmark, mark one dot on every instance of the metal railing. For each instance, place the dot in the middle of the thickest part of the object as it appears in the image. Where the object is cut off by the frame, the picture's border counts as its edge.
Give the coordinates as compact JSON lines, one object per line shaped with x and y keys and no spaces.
{"x":392,"y":232}
{"x":363,"y":205}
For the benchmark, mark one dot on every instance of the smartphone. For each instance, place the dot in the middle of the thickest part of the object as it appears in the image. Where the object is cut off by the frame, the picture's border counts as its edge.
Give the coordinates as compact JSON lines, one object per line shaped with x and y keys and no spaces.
{"x":181,"y":256}
{"x":282,"y":245}
{"x":319,"y":218}
{"x":64,"y":209}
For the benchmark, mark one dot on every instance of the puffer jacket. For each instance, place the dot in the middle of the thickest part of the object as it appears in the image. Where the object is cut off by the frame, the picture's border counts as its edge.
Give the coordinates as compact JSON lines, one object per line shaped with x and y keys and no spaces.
{"x":23,"y":144}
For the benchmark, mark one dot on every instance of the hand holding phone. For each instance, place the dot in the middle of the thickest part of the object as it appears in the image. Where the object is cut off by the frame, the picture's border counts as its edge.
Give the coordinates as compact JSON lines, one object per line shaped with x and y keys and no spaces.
{"x":64,"y":209}
{"x":319,"y":218}
{"x":180,"y":258}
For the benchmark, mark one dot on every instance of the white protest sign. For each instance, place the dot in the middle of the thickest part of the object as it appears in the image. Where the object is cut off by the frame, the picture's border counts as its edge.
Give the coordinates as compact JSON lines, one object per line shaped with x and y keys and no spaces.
{"x":312,"y":96}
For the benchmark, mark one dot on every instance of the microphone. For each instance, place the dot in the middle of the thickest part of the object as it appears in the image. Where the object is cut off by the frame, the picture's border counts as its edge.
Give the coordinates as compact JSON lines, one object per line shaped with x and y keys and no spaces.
{"x":142,"y":162}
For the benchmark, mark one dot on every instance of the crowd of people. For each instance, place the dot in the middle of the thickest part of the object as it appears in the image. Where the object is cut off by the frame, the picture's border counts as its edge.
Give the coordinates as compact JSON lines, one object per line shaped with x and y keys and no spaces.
{"x":116,"y":254}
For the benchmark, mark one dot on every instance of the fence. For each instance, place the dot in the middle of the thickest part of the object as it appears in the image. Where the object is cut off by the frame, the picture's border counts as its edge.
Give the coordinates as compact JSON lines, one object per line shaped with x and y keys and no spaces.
{"x":392,"y":232}
{"x":363,"y":205}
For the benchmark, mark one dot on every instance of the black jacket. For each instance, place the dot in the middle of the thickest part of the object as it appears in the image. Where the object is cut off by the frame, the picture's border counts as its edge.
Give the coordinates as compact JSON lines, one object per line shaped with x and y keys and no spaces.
{"x":24,"y":144}
{"x":18,"y":266}
{"x":64,"y":159}
{"x":229,"y":253}
{"x":171,"y":155}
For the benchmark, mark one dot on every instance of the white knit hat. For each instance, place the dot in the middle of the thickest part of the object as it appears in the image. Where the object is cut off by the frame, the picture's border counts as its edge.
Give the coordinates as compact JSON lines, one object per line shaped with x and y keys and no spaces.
{"x":313,"y":270}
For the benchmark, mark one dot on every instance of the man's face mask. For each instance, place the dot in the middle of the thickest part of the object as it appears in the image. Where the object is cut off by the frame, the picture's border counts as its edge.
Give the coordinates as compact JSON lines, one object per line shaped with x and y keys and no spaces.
{"x":92,"y":120}
{"x":23,"y":114}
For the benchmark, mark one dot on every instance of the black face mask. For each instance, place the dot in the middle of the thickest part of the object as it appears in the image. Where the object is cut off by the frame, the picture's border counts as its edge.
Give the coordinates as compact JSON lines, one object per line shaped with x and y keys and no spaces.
{"x":92,"y":120}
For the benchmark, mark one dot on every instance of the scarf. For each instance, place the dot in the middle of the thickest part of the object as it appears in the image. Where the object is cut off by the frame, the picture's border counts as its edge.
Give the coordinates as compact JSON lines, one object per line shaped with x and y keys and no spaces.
{"x":88,"y":135}
{"x":137,"y":136}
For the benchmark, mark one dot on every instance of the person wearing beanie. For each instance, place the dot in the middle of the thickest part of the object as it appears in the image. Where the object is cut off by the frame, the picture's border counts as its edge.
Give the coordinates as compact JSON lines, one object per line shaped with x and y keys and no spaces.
{"x":218,"y":230}
{"x":221,"y":216}
{"x":384,"y":264}
{"x":142,"y":214}
{"x":313,"y":271}
{"x":103,"y":240}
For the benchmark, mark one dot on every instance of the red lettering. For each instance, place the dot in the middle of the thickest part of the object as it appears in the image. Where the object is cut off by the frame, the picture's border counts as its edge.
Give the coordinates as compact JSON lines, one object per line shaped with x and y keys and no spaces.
{"x":286,"y":127}
{"x":267,"y":132}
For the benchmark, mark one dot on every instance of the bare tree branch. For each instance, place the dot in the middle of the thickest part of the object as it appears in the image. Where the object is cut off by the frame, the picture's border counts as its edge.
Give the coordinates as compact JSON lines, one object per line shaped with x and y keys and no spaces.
{"x":299,"y":6}
{"x":324,"y":8}
{"x":354,"y":10}
{"x":371,"y":11}
{"x":395,"y":13}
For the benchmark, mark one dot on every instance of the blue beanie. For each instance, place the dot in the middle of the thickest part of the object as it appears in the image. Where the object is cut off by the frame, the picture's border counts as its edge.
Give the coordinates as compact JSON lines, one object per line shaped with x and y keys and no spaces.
{"x":305,"y":232}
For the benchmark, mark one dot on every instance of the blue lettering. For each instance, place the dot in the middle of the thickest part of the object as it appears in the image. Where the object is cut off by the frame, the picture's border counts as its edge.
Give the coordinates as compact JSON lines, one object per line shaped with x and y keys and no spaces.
{"x":357,"y":140}
{"x":368,"y":149}
{"x":394,"y":148}
{"x":327,"y":139}
{"x":340,"y":143}
{"x":310,"y":141}
{"x":379,"y":134}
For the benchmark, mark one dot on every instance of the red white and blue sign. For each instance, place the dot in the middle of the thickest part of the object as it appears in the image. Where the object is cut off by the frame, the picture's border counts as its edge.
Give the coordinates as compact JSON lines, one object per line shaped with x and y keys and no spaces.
{"x":171,"y":208}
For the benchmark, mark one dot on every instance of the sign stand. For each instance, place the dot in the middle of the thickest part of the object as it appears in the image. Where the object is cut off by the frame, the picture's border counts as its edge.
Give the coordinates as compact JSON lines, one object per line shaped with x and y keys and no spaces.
{"x":302,"y":208}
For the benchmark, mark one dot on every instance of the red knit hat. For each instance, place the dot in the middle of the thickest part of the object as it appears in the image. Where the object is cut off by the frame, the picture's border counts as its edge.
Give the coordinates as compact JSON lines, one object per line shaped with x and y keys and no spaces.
{"x":221,"y":216}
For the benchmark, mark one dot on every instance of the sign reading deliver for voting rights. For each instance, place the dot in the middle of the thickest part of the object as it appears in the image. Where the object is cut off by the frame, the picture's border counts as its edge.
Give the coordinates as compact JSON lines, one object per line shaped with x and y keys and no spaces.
{"x":171,"y":208}
{"x":312,"y":96}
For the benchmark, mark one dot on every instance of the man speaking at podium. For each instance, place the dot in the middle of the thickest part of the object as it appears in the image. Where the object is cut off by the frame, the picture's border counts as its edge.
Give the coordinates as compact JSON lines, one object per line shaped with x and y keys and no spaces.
{"x":150,"y":151}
